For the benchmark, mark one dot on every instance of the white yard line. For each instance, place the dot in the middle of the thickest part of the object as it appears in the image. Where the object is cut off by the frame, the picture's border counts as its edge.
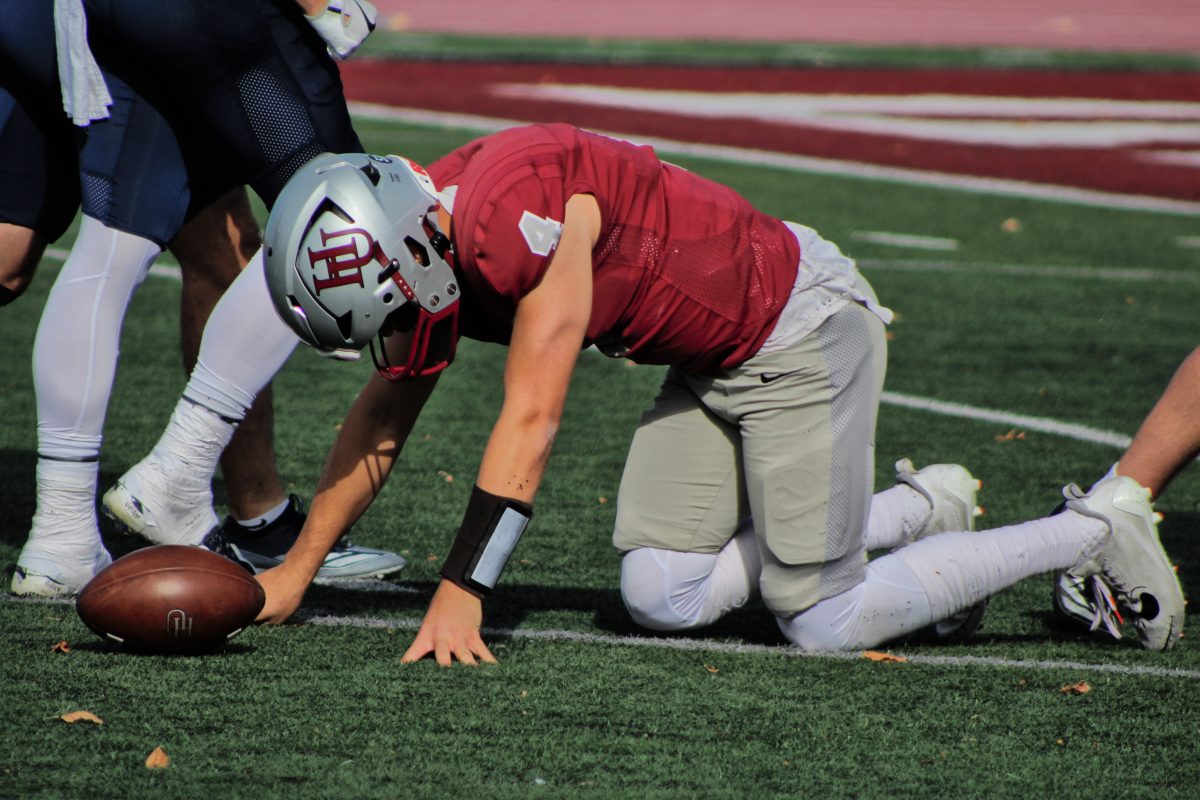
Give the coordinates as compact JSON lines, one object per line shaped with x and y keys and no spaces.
{"x":1069,"y":430}
{"x":732,"y":648}
{"x":908,"y":240}
{"x":688,"y":644}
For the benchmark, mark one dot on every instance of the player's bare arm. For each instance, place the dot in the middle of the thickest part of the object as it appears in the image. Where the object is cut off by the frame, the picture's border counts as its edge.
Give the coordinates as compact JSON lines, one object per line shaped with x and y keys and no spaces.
{"x":548,"y":331}
{"x":362,"y":457}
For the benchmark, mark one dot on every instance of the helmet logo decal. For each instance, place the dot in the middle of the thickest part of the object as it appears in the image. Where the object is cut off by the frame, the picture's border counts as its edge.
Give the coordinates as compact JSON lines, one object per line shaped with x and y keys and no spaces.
{"x":343,"y":260}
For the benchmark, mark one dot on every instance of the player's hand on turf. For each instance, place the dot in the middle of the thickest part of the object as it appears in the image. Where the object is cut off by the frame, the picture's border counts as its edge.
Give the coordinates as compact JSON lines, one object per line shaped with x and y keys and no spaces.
{"x":451,"y":629}
{"x":344,"y":24}
{"x":284,"y":590}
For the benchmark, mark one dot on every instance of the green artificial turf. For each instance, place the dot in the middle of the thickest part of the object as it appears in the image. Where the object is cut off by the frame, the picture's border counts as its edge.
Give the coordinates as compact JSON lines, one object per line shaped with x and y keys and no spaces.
{"x":326,"y":710}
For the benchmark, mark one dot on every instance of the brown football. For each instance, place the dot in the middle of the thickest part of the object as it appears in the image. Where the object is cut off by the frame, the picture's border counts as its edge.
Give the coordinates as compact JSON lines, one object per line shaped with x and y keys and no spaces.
{"x":170,"y":599}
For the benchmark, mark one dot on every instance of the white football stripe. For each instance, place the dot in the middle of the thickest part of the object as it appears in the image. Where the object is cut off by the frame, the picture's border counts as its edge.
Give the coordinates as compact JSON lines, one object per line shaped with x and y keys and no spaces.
{"x":964,"y":119}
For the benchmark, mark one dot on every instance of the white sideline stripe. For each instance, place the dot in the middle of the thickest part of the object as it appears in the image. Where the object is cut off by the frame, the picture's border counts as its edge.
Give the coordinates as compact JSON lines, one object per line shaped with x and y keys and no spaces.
{"x":731,"y":648}
{"x":819,"y":166}
{"x":1040,"y":424}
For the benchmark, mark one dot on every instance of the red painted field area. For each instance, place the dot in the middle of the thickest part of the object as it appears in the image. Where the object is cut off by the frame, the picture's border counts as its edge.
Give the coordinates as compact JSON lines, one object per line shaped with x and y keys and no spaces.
{"x":1130,"y":133}
{"x":1144,"y":25}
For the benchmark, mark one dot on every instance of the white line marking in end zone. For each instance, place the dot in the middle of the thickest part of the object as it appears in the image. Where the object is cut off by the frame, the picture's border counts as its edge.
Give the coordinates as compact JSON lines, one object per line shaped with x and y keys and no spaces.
{"x":733,"y":648}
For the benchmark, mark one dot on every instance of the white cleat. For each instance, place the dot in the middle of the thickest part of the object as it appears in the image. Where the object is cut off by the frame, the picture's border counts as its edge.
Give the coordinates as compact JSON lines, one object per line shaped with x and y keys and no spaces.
{"x":44,"y":570}
{"x":161,"y":508}
{"x":951,"y":491}
{"x":1132,"y":560}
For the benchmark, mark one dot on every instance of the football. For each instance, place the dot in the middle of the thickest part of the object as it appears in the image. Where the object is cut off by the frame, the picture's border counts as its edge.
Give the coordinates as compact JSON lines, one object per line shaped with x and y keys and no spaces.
{"x":170,"y":599}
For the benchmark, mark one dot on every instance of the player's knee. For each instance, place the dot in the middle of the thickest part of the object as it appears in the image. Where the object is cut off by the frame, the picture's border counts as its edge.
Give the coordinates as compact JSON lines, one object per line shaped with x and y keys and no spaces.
{"x":835,"y":623}
{"x":20,"y":251}
{"x":647,"y":592}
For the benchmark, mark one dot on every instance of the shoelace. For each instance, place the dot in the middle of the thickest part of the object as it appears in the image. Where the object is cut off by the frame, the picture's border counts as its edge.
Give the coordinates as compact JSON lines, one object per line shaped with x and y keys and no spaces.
{"x":1105,"y":608}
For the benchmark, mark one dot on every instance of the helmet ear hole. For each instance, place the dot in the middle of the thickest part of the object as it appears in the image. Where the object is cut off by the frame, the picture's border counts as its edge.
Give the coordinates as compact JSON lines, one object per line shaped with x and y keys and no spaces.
{"x":345,"y":324}
{"x":419,"y":253}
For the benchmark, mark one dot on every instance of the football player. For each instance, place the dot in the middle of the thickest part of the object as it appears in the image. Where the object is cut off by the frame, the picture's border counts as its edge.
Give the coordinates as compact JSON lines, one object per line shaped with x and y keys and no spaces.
{"x":267,"y":91}
{"x":751,"y":473}
{"x":1167,"y":441}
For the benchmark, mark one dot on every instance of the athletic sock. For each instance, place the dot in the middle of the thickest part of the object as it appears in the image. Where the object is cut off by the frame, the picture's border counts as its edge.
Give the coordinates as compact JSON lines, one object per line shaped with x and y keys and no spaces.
{"x":958,"y":569}
{"x":897,"y":515}
{"x":267,"y":518}
{"x":66,"y":504}
{"x":931,"y":579}
{"x":191,"y":445}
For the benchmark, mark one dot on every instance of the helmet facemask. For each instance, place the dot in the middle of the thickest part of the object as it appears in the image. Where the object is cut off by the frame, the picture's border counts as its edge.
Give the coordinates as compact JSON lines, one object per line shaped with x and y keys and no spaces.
{"x":431,"y":327}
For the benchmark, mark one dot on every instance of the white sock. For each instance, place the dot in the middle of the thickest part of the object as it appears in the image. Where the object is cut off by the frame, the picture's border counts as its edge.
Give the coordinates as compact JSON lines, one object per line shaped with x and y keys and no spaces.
{"x":897,"y":514}
{"x":66,"y":503}
{"x":931,"y":579}
{"x":267,"y":518}
{"x":670,"y":590}
{"x":191,"y":445}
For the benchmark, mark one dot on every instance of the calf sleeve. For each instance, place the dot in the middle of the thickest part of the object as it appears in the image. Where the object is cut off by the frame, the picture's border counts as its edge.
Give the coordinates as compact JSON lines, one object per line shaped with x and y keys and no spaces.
{"x":76,"y":349}
{"x":245,"y":343}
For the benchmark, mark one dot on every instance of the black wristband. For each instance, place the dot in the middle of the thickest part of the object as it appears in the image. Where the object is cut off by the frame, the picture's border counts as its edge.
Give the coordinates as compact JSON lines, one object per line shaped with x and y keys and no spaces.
{"x":490,"y":530}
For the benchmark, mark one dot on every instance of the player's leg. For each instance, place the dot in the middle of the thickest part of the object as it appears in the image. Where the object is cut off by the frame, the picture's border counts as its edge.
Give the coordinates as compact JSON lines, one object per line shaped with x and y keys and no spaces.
{"x":39,"y":185}
{"x":1169,"y":437}
{"x":212,"y":249}
{"x":678,"y":508}
{"x":74,"y":359}
{"x":21,"y":249}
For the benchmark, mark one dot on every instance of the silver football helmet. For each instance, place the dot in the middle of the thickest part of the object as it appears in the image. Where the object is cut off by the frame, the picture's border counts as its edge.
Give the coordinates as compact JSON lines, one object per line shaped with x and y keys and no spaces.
{"x":353,"y":254}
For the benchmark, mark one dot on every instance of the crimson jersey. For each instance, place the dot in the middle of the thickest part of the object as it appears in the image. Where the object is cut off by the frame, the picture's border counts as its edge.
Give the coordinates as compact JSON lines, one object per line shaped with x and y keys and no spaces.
{"x":686,"y":272}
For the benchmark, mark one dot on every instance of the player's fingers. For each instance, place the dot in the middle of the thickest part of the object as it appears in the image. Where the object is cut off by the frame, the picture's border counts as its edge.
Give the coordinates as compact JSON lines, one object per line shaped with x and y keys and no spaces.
{"x":465,"y":656}
{"x":442,"y":653}
{"x":480,"y":649}
{"x":417,"y":650}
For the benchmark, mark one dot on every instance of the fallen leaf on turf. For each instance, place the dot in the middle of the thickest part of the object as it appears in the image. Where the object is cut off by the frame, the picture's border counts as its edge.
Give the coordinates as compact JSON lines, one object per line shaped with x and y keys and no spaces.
{"x":875,"y":655}
{"x":445,"y":476}
{"x":157,"y":759}
{"x":62,"y":647}
{"x":602,"y":500}
{"x":1012,"y":434}
{"x":1083,"y":687}
{"x":81,"y":716}
{"x":712,"y":669}
{"x":1011,"y":225}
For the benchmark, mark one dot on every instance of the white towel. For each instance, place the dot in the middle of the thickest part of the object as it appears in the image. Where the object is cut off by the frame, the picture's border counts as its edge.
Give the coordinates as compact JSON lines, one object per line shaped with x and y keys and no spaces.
{"x":85,"y":95}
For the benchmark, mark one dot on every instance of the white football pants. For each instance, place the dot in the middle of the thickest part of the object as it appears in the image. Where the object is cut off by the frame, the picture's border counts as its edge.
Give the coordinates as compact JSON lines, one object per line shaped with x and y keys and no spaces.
{"x":905,"y":591}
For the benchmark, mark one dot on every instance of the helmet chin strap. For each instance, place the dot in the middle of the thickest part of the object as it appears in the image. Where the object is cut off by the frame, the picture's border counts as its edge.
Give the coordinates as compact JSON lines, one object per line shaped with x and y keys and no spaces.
{"x":421,"y":363}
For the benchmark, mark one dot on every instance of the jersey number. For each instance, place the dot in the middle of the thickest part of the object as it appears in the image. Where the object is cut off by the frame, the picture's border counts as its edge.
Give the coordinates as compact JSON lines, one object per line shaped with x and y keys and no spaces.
{"x":541,"y":233}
